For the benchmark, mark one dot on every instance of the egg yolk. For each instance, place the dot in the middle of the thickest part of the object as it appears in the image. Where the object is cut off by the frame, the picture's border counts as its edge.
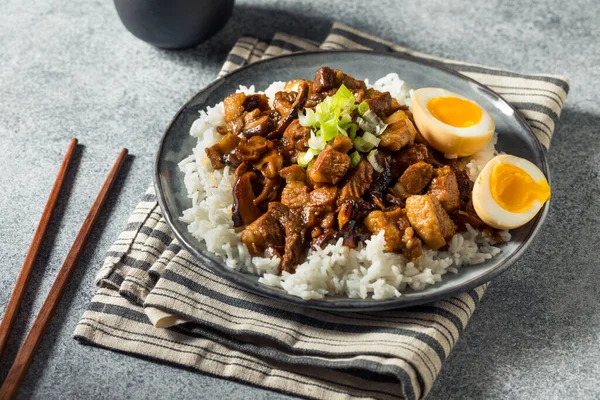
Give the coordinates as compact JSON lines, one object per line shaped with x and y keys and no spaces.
{"x":454,"y":111}
{"x":514,"y":189}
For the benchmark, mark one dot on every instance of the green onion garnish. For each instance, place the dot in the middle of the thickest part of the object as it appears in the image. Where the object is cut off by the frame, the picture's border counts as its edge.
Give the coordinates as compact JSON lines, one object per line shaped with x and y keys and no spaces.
{"x":316,"y":143}
{"x":329,"y":130}
{"x":331,"y":117}
{"x":370,"y":138}
{"x":304,"y":158}
{"x":365,"y":125}
{"x":366,"y":142}
{"x":374,"y":121}
{"x":372,"y":158}
{"x":354,"y":158}
{"x":363,"y":108}
{"x":361,"y":144}
{"x":309,"y":118}
{"x":351,"y":130}
{"x":345,"y":94}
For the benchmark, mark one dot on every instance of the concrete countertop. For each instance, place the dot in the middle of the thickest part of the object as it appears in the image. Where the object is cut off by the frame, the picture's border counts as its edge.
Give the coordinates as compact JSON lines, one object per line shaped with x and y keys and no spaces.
{"x":70,"y":69}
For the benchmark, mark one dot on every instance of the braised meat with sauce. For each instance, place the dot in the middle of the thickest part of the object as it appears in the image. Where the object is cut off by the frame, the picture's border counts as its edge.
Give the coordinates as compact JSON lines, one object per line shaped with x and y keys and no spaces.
{"x":330,"y":159}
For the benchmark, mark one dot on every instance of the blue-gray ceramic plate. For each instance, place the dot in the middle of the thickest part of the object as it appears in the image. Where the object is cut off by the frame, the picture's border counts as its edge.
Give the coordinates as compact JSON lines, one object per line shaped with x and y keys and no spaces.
{"x":515,"y":137}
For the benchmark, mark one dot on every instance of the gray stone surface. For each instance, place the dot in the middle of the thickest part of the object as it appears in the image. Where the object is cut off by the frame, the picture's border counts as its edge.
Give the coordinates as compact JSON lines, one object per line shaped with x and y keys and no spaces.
{"x":70,"y":69}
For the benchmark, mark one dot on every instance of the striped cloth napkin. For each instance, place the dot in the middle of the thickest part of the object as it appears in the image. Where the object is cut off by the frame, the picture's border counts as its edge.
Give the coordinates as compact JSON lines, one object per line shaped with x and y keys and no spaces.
{"x":155,"y":300}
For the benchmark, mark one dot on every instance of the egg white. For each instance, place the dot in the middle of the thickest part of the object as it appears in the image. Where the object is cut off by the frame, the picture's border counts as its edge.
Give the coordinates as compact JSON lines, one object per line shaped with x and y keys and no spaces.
{"x":488,"y":209}
{"x":449,"y":139}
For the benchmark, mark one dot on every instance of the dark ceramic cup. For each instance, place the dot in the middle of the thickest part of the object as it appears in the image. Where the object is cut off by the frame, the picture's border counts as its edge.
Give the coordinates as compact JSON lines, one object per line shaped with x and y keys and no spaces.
{"x":174,"y":24}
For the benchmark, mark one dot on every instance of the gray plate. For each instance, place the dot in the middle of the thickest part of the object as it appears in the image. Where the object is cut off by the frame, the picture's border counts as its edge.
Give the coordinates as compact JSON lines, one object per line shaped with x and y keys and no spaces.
{"x":515,"y":137}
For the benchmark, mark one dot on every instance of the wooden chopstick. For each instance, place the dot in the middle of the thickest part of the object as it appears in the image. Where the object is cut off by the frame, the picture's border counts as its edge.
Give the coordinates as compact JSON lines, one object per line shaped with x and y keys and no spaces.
{"x":23,"y":360}
{"x":17,"y":295}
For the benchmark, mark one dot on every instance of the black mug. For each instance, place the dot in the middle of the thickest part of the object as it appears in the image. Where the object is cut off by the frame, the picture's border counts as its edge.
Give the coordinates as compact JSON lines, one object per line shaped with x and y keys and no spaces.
{"x":174,"y":24}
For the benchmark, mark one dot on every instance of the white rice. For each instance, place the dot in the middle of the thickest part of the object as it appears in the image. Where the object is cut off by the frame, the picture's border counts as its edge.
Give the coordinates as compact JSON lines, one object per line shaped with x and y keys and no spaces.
{"x":478,"y":160}
{"x":336,"y":269}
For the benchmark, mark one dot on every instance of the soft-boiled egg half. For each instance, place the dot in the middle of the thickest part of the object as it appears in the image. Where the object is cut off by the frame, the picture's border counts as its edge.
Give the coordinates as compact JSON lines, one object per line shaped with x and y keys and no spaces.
{"x":451,"y":123}
{"x":509,"y":192}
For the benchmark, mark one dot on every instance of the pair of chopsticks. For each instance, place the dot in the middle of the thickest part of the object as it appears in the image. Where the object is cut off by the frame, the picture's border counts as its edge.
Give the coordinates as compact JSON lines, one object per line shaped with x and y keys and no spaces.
{"x":25,"y":356}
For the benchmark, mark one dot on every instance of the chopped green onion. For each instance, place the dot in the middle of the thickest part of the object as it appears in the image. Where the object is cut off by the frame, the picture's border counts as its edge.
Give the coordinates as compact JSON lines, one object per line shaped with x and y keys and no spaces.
{"x":332,"y":116}
{"x":354,"y":159}
{"x":381,"y":129}
{"x":373,"y":119}
{"x":309,"y":118}
{"x":329,"y":130}
{"x":345,"y":118}
{"x":344,"y":93}
{"x":323,"y":107}
{"x":365,"y":125}
{"x":363,"y":108}
{"x":366,"y":142}
{"x":370,"y":138}
{"x":316,"y":143}
{"x":351,"y":130}
{"x":372,"y":158}
{"x":362,"y":145}
{"x":304,"y":158}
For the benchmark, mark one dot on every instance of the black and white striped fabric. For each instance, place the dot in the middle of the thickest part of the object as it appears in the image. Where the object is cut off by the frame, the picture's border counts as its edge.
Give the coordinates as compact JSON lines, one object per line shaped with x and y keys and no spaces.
{"x":155,"y":300}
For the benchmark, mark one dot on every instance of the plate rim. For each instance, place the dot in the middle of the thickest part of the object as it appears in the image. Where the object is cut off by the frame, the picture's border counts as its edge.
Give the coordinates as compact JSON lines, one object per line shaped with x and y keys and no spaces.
{"x":351,"y":304}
